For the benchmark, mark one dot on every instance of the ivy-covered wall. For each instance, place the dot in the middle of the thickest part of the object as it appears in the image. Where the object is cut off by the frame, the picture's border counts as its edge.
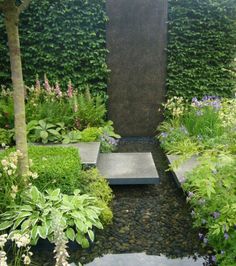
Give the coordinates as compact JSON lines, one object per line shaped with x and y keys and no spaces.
{"x":201,"y":47}
{"x":65,"y":40}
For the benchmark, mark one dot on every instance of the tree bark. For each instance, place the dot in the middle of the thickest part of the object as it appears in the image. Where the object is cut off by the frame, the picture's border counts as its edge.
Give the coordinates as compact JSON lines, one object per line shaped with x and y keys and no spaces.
{"x":11,"y":23}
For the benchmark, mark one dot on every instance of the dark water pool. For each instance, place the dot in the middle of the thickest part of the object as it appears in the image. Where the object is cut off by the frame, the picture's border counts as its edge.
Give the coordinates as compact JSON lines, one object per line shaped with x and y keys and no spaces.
{"x":152,"y":224}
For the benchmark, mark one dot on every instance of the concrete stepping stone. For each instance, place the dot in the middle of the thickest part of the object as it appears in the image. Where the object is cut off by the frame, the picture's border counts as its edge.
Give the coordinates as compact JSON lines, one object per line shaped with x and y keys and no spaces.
{"x":128,"y":168}
{"x":89,"y":152}
{"x":180,"y":172}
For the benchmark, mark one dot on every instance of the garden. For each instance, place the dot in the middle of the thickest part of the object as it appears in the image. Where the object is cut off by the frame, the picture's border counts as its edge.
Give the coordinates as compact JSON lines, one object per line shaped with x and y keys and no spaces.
{"x":57,"y":210}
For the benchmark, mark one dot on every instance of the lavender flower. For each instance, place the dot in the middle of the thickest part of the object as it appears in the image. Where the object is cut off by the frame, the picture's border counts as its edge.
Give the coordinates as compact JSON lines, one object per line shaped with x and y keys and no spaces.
{"x":205,"y":240}
{"x":190,"y":194}
{"x":226,"y":236}
{"x":214,"y":171}
{"x":200,"y":235}
{"x":213,"y":258}
{"x":216,"y":215}
{"x":184,"y":129}
{"x":201,"y":201}
{"x":164,"y":134}
{"x":199,"y":113}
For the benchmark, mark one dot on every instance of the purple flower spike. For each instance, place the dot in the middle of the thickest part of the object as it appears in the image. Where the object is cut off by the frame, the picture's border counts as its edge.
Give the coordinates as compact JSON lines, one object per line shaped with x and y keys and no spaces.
{"x":205,"y":240}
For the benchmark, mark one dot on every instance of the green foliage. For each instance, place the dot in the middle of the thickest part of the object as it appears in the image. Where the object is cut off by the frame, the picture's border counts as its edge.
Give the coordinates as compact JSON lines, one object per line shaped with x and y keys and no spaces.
{"x":51,"y":108}
{"x":59,"y":167}
{"x":6,"y":110}
{"x":56,"y":167}
{"x":92,"y":183}
{"x":91,"y":111}
{"x":207,"y":128}
{"x":11,"y":183}
{"x":201,"y":47}
{"x":34,"y":216}
{"x":6,"y":136}
{"x":212,"y":193}
{"x":41,"y":131}
{"x":64,"y":39}
{"x":204,"y":123}
{"x":91,"y":134}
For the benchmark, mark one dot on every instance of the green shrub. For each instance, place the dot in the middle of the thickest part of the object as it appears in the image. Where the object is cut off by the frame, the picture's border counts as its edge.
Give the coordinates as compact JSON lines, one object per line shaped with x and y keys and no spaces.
{"x":211,"y":191}
{"x":53,"y":110}
{"x":92,"y":183}
{"x":64,"y":39}
{"x":6,"y":110}
{"x":91,"y":134}
{"x":60,"y":167}
{"x":201,"y":48}
{"x":6,"y":136}
{"x":57,"y":167}
{"x":34,"y":217}
{"x":90,"y":111}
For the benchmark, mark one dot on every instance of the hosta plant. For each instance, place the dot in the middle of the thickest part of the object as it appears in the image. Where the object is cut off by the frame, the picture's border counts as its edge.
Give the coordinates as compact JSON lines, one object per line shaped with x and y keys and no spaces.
{"x":34,"y":216}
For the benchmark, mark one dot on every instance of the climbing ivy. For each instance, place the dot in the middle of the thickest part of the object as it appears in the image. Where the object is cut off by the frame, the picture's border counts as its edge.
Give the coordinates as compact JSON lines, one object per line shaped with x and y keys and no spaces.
{"x":201,"y":47}
{"x":65,"y":39}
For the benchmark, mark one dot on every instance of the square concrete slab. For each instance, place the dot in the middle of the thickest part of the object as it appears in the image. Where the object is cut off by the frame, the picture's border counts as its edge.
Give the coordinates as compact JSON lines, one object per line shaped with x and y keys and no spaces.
{"x":183,"y":169}
{"x":88,"y":152}
{"x":128,"y":168}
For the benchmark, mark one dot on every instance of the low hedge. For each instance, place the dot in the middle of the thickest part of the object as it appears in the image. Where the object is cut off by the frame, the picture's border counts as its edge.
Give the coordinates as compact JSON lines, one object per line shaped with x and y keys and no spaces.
{"x":56,"y":167}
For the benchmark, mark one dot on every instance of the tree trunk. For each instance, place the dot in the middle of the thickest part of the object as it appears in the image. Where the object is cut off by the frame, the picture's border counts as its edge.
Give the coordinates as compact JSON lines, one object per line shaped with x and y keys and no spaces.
{"x":11,"y":22}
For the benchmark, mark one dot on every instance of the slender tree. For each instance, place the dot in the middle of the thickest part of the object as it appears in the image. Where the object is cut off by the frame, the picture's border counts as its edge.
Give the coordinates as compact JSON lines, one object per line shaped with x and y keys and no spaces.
{"x":11,"y":11}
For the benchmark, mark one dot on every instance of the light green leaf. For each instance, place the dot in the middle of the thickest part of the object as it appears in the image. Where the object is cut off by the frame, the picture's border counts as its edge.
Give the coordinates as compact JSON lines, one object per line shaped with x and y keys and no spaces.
{"x":5,"y":225}
{"x":70,"y":233}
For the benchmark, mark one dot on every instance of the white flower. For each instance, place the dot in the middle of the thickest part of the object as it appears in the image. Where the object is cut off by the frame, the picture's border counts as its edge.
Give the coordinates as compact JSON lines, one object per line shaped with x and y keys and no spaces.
{"x":9,"y":172}
{"x":13,"y":166}
{"x":3,"y":258}
{"x":26,"y":260}
{"x":21,"y":240}
{"x":19,"y":153}
{"x":14,"y":188}
{"x":4,"y":162}
{"x":3,"y":240}
{"x":34,"y":175}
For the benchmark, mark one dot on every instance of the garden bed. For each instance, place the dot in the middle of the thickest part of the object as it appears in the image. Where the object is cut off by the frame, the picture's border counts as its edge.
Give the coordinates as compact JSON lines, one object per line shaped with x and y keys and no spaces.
{"x":206,"y":129}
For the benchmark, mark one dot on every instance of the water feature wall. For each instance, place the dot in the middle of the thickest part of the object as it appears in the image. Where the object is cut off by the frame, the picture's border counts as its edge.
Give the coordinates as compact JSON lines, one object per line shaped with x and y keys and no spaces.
{"x":136,"y":40}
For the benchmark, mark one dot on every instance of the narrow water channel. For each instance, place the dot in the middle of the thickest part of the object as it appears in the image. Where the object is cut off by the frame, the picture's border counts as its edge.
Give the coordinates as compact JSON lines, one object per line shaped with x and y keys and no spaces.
{"x":152,"y":224}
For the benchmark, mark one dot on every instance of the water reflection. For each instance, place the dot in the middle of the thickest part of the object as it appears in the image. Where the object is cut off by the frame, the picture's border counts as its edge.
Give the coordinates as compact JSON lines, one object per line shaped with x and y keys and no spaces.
{"x":142,"y":259}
